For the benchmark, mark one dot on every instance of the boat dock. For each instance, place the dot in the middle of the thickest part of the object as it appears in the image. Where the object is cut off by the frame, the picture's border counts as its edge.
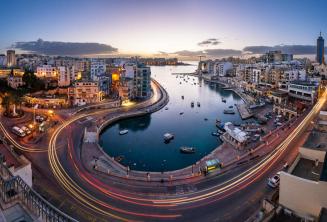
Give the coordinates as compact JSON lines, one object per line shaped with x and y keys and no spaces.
{"x":244,"y":111}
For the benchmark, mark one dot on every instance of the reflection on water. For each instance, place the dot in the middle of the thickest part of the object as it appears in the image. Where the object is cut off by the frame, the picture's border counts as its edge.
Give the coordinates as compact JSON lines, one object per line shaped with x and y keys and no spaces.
{"x":143,"y":147}
{"x":135,"y":124}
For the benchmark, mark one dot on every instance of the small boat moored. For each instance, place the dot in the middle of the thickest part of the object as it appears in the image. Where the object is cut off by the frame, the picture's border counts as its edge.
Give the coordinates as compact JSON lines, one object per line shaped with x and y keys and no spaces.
{"x":198,"y":104}
{"x":187,"y":150}
{"x":168,"y":137}
{"x":123,"y":132}
{"x":182,"y":97}
{"x":181,"y":113}
{"x":215,"y":134}
{"x":192,"y":104}
{"x":223,"y":100}
{"x":229,"y":111}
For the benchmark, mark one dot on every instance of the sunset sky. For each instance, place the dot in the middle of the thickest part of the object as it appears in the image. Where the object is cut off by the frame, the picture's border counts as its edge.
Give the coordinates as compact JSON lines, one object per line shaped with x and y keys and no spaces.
{"x":150,"y":27}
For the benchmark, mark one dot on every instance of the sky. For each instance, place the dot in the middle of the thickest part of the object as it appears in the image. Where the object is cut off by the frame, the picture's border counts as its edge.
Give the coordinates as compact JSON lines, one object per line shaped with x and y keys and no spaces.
{"x":171,"y":26}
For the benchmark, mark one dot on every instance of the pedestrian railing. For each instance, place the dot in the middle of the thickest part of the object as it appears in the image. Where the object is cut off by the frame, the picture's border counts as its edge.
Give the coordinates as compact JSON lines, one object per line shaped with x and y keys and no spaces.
{"x":13,"y":189}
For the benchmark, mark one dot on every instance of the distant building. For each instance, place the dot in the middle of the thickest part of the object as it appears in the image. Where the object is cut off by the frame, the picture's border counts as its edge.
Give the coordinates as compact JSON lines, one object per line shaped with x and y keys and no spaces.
{"x":235,"y":135}
{"x":15,"y":81}
{"x":221,"y":68}
{"x":320,"y":57}
{"x":277,"y":56}
{"x":47,"y":71}
{"x":3,"y":60}
{"x":64,"y":76}
{"x":303,"y":90}
{"x":98,"y":68}
{"x":11,"y":58}
{"x":130,"y":70}
{"x":84,"y":92}
{"x":142,"y":82}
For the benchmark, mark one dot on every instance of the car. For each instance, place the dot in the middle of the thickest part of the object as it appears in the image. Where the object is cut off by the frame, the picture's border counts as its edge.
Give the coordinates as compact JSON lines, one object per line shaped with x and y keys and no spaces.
{"x":273,"y":182}
{"x":40,"y":118}
{"x":26,"y":130}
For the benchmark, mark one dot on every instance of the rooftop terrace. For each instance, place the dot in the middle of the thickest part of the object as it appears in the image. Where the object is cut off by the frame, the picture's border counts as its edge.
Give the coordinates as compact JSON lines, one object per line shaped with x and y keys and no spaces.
{"x":317,"y":140}
{"x":306,"y":169}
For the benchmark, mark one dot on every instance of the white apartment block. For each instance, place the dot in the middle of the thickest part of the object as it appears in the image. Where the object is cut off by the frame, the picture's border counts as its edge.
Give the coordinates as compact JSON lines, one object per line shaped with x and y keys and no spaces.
{"x":255,"y":77}
{"x":98,"y":68}
{"x":303,"y":90}
{"x":220,"y":68}
{"x":130,"y":70}
{"x":46,"y":71}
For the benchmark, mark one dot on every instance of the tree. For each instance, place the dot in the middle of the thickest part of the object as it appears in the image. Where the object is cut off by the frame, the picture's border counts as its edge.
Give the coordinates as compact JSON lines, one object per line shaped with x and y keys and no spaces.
{"x":6,"y":100}
{"x":29,"y":78}
{"x":33,"y":83}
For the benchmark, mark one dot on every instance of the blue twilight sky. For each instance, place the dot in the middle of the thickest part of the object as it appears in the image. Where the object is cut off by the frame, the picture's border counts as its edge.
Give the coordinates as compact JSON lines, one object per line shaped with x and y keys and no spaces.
{"x":152,"y":26}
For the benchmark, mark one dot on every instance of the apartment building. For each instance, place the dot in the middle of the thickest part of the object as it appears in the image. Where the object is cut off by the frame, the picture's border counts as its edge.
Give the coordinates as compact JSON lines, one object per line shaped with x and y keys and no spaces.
{"x":84,"y":92}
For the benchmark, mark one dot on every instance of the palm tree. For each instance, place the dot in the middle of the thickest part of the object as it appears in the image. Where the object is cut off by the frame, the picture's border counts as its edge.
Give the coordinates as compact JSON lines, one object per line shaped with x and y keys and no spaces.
{"x":6,"y":100}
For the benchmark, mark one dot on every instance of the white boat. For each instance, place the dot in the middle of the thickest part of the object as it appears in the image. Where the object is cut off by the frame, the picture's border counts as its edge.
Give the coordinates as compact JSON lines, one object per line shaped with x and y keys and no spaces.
{"x":229,"y":111}
{"x":168,"y":137}
{"x":123,"y":132}
{"x":187,"y":150}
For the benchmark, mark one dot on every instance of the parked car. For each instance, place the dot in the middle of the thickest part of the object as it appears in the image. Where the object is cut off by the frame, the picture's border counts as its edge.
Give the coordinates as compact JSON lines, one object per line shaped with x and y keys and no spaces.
{"x":40,"y":118}
{"x":18,"y":131}
{"x":26,"y":130}
{"x":274,"y":181}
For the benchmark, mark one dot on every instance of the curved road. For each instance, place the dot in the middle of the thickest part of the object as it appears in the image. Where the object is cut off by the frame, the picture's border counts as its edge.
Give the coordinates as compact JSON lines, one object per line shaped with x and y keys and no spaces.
{"x":233,"y":196}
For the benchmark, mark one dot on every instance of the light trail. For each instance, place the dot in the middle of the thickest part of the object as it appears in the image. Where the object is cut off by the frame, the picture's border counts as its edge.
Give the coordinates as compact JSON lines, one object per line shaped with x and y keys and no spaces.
{"x":211,"y":194}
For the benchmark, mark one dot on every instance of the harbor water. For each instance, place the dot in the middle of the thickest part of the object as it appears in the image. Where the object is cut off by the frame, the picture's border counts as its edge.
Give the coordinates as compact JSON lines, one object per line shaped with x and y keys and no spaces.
{"x":143,"y":147}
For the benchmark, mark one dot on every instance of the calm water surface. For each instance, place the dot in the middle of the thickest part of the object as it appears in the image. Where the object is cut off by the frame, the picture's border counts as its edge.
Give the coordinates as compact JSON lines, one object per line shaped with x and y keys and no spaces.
{"x":143,"y":147}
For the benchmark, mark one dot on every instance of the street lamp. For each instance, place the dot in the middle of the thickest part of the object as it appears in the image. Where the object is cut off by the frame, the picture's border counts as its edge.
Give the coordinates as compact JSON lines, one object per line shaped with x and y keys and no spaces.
{"x":50,"y":112}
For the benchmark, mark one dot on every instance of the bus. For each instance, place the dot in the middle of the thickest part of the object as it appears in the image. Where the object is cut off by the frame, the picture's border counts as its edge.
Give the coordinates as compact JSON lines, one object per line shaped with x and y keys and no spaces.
{"x":18,"y":131}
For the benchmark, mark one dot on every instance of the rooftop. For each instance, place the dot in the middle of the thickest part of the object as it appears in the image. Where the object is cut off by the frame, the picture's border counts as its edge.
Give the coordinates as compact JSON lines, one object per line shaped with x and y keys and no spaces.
{"x":316,"y":140}
{"x":306,"y":169}
{"x":279,"y":93}
{"x":323,"y":215}
{"x":303,"y":83}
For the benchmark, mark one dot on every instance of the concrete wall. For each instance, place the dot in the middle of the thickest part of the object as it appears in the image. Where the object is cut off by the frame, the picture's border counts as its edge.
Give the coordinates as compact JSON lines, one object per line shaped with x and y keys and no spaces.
{"x":304,"y":197}
{"x":312,"y":154}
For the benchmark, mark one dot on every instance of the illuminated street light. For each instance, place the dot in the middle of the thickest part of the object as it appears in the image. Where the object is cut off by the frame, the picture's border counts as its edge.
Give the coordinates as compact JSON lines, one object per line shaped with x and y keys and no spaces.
{"x":50,"y":112}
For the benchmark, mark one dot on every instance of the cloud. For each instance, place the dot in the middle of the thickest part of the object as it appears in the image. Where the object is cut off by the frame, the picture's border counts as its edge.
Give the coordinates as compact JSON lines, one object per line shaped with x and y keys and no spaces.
{"x":188,"y":53}
{"x":293,"y":49}
{"x":209,"y":42}
{"x":222,"y":52}
{"x":210,"y":53}
{"x":64,"y":48}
